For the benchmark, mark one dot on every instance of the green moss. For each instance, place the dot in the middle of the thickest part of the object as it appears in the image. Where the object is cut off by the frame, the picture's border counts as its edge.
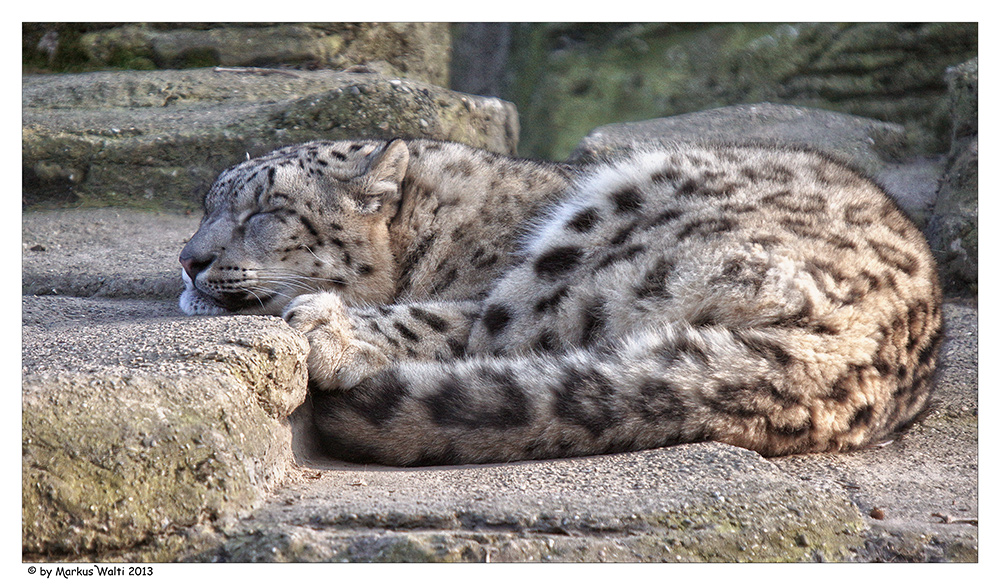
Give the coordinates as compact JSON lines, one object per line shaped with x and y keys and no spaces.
{"x":201,"y":57}
{"x":94,"y":479}
{"x":755,"y":531}
{"x":565,"y":93}
{"x":130,"y":58}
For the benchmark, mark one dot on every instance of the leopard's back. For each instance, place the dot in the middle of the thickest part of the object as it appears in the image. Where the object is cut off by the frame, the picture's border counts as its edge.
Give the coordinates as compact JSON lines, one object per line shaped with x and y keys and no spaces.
{"x":736,"y":237}
{"x":735,"y":261}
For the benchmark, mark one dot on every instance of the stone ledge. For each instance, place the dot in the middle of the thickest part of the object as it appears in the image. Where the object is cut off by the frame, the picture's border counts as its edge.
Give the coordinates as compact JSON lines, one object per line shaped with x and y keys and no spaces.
{"x":159,"y":139}
{"x":419,"y":50}
{"x":108,"y":253}
{"x":708,"y":502}
{"x":136,"y":420}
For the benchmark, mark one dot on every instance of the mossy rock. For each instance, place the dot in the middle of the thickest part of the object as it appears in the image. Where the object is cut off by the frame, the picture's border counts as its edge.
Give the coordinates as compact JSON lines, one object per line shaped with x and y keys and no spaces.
{"x":135,"y":424}
{"x":418,"y":51}
{"x":158,"y":139}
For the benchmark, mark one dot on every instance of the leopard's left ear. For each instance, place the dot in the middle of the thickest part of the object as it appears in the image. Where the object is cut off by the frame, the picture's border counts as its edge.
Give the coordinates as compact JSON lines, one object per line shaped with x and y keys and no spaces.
{"x":381,"y":186}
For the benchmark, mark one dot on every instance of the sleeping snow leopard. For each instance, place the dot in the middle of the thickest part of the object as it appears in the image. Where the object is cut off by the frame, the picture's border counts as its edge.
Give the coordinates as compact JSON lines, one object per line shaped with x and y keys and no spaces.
{"x":467,"y":307}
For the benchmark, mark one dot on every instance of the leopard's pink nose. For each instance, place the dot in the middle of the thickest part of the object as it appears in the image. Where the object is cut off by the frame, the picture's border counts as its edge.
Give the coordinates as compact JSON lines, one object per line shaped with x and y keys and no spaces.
{"x":193,"y":265}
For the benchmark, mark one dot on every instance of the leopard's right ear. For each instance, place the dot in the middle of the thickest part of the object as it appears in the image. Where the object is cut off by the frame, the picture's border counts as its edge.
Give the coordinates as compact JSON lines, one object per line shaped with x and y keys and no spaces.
{"x":381,"y":186}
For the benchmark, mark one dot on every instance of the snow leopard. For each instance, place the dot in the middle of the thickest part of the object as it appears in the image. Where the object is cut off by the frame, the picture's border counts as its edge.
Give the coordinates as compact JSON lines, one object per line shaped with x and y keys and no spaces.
{"x":463,"y":306}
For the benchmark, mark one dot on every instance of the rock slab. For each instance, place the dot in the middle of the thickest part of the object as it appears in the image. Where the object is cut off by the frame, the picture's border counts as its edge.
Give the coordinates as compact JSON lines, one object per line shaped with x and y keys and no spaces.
{"x":138,"y":422}
{"x":105,"y":253}
{"x":158,"y":139}
{"x":417,"y":50}
{"x":690,"y":503}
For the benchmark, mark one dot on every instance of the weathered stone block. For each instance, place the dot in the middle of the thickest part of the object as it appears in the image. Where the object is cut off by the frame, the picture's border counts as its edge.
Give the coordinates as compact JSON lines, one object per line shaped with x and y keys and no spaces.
{"x":138,"y":422}
{"x":417,"y":50}
{"x":158,"y":139}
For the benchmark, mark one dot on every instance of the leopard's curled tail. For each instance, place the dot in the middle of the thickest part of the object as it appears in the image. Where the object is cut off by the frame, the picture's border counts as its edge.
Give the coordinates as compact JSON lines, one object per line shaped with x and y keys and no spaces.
{"x":769,"y":391}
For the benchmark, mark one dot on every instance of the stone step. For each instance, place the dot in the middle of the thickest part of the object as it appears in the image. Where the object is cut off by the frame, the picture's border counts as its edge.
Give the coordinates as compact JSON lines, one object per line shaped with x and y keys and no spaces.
{"x":108,"y":253}
{"x":158,"y":139}
{"x":137,"y":421}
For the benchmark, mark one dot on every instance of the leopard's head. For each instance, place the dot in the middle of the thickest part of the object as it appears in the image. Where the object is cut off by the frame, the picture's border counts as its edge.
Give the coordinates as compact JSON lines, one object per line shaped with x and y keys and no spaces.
{"x":301,"y":219}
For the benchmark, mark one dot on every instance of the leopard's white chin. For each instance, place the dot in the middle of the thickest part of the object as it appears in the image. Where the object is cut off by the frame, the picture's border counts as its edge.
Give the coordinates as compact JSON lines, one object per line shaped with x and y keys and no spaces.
{"x":193,"y":302}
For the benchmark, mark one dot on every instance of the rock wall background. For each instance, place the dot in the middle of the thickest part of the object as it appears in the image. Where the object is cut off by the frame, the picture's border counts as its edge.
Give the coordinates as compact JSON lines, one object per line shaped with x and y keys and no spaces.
{"x":567,"y":78}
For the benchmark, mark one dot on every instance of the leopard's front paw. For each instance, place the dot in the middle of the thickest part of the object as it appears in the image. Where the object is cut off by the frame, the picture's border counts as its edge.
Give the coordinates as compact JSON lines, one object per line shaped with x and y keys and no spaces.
{"x":337,"y":359}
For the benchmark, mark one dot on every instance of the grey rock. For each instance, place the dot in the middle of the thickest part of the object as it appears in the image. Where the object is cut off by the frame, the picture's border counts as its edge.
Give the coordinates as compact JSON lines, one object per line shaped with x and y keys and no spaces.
{"x":158,"y":139}
{"x":874,"y":147}
{"x":109,"y":253}
{"x":868,"y":144}
{"x":914,"y":184}
{"x":706,"y":502}
{"x":138,"y":422}
{"x":415,"y":50}
{"x":954,"y":228}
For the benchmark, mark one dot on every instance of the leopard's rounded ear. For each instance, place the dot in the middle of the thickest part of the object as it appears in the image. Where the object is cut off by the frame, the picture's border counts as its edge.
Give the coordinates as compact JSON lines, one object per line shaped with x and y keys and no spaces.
{"x":382,"y":184}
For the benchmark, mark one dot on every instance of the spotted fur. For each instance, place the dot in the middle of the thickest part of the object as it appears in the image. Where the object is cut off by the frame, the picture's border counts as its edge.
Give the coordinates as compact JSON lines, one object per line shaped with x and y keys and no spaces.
{"x":467,"y":307}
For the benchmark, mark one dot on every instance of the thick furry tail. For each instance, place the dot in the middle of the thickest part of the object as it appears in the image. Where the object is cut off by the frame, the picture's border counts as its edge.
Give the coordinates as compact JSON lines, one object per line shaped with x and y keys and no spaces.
{"x":770,"y":390}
